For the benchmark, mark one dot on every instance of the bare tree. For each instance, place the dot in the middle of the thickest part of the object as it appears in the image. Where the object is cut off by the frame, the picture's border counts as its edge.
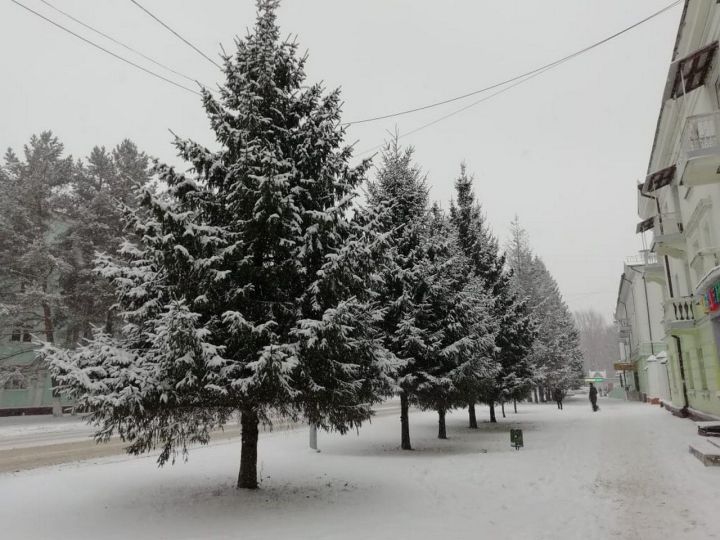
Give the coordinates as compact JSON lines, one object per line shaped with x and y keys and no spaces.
{"x":598,"y":341}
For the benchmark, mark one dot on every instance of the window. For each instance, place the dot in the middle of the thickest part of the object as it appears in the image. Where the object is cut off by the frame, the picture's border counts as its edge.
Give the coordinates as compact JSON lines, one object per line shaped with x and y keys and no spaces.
{"x":659,"y":179}
{"x":20,"y":334}
{"x":701,"y":368}
{"x":692,"y":70}
{"x":707,"y":237}
{"x":698,"y":261}
{"x":14,"y":381}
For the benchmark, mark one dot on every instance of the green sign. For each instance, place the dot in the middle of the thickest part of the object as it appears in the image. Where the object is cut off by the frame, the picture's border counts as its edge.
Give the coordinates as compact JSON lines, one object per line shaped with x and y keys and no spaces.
{"x":516,"y":438}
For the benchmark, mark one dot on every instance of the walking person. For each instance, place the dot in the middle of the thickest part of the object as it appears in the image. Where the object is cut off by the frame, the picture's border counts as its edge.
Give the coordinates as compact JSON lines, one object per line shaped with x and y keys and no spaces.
{"x":558,"y":396}
{"x":593,"y":397}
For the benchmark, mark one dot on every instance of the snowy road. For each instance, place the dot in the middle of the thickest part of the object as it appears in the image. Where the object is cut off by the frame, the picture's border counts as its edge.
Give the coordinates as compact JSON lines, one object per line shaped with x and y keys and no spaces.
{"x":624,"y":472}
{"x":27,"y":442}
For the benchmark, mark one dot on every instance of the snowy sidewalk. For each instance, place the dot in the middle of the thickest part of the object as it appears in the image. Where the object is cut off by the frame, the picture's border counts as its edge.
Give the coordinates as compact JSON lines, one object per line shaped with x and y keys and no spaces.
{"x":624,"y":472}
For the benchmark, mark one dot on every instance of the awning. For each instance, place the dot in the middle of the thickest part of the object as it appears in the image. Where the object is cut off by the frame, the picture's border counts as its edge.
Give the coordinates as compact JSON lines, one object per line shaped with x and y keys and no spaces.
{"x":645,"y":225}
{"x":659,"y":179}
{"x":687,"y":74}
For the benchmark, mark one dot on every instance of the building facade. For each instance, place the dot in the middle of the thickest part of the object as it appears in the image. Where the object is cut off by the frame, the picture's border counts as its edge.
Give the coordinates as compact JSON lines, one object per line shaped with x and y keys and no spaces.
{"x":679,"y":205}
{"x":639,"y":317}
{"x":26,"y":386}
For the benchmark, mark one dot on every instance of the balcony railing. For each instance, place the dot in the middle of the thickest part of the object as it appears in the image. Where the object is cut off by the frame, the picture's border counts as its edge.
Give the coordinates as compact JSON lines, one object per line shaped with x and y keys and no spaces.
{"x":623,"y":326}
{"x":668,"y":224}
{"x":645,"y":257}
{"x":700,"y":150}
{"x":680,"y":311}
{"x":647,"y":348}
{"x":668,"y":237}
{"x":700,"y":134}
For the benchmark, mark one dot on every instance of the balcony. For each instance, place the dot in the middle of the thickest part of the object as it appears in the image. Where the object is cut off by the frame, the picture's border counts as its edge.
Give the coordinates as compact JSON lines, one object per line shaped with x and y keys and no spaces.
{"x":647,"y":348}
{"x":623,"y":326}
{"x":655,"y":272}
{"x":699,"y":162}
{"x":644,"y":258}
{"x":680,"y":312}
{"x":649,"y":264}
{"x":704,"y":260}
{"x":668,"y":235}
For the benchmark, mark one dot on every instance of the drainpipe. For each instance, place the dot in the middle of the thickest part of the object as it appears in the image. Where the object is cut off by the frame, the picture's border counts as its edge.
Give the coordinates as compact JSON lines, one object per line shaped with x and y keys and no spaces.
{"x":623,"y":376}
{"x":682,"y":374}
{"x":667,"y":374}
{"x":627,"y":319}
{"x":665,"y":257}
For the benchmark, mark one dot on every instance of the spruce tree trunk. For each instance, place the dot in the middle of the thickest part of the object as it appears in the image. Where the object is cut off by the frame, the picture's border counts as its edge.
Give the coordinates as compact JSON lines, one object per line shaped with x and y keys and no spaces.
{"x":404,"y":422}
{"x":247,"y":478}
{"x":535,"y":394}
{"x":47,"y":320}
{"x":471,"y":413}
{"x":50,"y":337}
{"x":515,"y":405}
{"x":502,"y":407}
{"x":492,"y":412}
{"x":442,"y":433}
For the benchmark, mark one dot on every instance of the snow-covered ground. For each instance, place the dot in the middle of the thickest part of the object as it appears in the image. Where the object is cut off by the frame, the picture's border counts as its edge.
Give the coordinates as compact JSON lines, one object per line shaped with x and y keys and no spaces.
{"x":624,"y":472}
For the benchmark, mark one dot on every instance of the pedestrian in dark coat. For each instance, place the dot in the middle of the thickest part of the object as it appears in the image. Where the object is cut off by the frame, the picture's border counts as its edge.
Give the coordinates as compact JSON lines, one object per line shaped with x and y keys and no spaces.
{"x":558,"y":396}
{"x":593,"y":397}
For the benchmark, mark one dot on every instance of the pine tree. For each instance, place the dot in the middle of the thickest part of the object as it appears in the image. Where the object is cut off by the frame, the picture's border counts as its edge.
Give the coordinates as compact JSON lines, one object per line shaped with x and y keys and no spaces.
{"x":515,"y":334}
{"x":101,"y":188}
{"x":555,"y":360}
{"x":437,"y":318}
{"x":457,"y":317}
{"x":400,"y":187}
{"x":249,"y":288}
{"x":34,"y":208}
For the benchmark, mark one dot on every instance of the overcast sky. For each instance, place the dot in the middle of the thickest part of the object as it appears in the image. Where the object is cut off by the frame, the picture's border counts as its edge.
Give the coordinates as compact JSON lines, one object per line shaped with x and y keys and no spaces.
{"x":562,"y":151}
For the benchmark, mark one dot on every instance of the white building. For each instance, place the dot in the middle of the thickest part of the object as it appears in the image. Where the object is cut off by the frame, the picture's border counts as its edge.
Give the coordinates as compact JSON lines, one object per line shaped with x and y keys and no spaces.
{"x":678,"y":204}
{"x":639,"y":317}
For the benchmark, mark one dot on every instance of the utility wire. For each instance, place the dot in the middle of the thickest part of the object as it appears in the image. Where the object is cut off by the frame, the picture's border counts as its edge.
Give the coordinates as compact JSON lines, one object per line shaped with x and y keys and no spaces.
{"x":522,"y":75}
{"x":179,"y":36}
{"x":117,"y":42}
{"x":458,"y":111}
{"x":130,"y":62}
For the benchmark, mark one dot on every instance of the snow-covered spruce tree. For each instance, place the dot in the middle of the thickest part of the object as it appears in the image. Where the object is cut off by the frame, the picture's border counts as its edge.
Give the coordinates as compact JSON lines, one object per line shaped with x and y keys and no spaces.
{"x":456,"y":316}
{"x":558,"y":349}
{"x":400,"y":186}
{"x":250,"y":290}
{"x":515,"y":334}
{"x":33,"y":205}
{"x":95,"y":224}
{"x":33,"y":211}
{"x":555,"y":359}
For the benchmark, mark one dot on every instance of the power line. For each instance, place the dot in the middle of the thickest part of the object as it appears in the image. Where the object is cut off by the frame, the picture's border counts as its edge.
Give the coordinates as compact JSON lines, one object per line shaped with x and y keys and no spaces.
{"x":179,"y":36}
{"x":522,"y":75}
{"x":458,"y":111}
{"x":130,"y":62}
{"x":118,"y":42}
